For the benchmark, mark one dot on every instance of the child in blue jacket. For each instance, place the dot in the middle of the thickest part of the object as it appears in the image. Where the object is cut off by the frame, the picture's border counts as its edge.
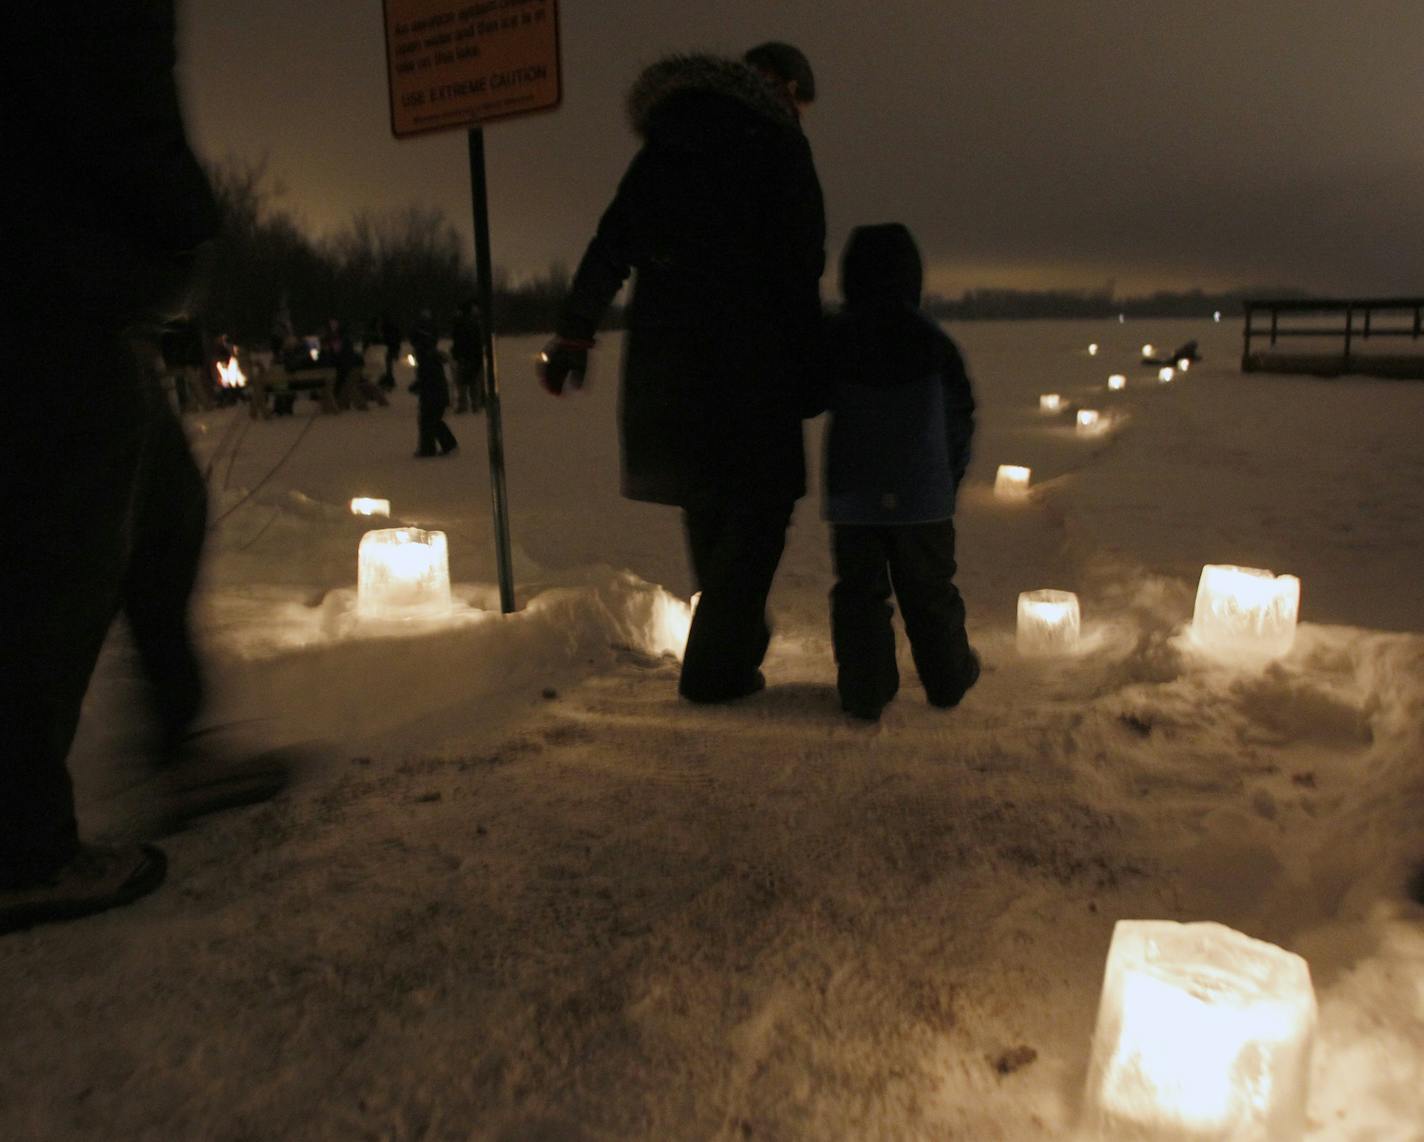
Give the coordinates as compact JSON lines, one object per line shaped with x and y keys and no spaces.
{"x":897,"y":445}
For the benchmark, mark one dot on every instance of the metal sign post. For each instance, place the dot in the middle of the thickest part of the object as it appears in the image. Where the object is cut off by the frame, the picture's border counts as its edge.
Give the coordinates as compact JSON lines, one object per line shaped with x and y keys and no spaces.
{"x":494,"y":424}
{"x":460,"y":64}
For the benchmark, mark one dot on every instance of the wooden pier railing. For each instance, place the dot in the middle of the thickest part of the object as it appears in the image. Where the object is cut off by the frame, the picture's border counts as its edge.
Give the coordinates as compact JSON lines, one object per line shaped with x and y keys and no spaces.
{"x":1346,"y":327}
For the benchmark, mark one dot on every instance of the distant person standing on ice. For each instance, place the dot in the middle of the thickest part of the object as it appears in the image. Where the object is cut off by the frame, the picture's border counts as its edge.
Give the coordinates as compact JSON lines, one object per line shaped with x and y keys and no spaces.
{"x":720,"y":215}
{"x":902,"y":414}
{"x":467,"y":347}
{"x":433,"y":388}
{"x":105,"y":509}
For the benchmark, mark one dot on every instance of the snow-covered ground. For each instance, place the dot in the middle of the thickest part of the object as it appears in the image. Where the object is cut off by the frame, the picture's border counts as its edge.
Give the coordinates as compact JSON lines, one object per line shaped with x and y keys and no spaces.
{"x":529,"y":894}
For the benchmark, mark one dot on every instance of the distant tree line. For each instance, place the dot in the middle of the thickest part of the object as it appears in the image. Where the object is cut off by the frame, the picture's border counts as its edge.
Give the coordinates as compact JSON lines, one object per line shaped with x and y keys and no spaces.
{"x":1013,"y":304}
{"x":401,"y":262}
{"x":396,"y":263}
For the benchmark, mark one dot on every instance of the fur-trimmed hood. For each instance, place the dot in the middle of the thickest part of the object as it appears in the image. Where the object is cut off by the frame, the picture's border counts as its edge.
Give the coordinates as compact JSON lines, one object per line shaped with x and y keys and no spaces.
{"x":703,"y":75}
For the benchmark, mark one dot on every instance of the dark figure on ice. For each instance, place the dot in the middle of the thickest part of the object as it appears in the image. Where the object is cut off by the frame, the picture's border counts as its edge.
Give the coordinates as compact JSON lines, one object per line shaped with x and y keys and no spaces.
{"x":392,"y":336}
{"x":431,"y":385}
{"x":119,"y":503}
{"x":902,"y":414}
{"x":467,"y":348}
{"x":720,"y":215}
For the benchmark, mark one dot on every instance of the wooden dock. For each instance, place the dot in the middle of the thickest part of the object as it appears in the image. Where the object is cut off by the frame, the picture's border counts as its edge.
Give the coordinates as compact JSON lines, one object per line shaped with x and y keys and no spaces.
{"x":1359,"y":336}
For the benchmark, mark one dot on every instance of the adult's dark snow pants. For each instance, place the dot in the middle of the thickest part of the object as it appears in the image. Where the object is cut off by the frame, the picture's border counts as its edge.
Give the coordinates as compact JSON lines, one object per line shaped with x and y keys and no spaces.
{"x":916,"y":562}
{"x":734,"y":549}
{"x":104,"y":510}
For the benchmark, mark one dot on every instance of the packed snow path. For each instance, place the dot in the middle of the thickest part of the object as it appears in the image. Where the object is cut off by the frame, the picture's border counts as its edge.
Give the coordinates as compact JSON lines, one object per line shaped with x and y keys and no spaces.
{"x":530,"y":894}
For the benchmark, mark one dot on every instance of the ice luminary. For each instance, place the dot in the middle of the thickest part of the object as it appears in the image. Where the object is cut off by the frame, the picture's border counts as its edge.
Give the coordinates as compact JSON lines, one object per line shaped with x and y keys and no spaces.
{"x":1011,"y":482}
{"x":1202,"y":1033}
{"x":1245,"y":612}
{"x":1117,"y":382}
{"x":365,"y":505}
{"x":1050,"y":402}
{"x":403,"y":572}
{"x":1166,"y":373}
{"x":1048,"y":622}
{"x":230,"y":375}
{"x":1090,"y":420}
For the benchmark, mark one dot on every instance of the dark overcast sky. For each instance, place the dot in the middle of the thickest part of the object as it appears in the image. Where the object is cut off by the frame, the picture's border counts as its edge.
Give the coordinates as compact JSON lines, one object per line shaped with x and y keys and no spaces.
{"x":1028,"y":143}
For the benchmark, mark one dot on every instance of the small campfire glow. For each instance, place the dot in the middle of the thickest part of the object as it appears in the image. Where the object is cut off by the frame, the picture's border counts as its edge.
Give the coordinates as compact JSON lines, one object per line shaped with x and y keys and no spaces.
{"x":230,"y":375}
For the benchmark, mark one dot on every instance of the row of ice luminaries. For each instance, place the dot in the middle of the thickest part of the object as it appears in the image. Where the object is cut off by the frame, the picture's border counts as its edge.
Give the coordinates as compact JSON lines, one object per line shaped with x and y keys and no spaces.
{"x":1242,"y":614}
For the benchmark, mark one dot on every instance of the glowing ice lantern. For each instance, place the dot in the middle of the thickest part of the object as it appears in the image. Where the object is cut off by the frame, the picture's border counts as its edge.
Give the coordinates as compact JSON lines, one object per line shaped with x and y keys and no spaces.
{"x":1117,"y":382}
{"x":403,"y":572}
{"x":1166,"y":373}
{"x":1011,"y":482}
{"x":365,"y":505}
{"x":1048,"y":622}
{"x":1245,"y":612}
{"x":1050,"y":402}
{"x":1090,"y":420}
{"x":1202,"y":1033}
{"x":231,"y":376}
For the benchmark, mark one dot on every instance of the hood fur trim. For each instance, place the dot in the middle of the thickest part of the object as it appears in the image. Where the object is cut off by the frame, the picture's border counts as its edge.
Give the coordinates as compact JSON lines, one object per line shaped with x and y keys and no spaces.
{"x":703,"y":73}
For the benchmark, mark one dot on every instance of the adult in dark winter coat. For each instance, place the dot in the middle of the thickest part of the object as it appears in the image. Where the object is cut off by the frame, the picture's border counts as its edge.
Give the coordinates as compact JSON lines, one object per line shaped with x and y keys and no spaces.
{"x":119,"y":502}
{"x":720,"y":215}
{"x":902,"y":415}
{"x":434,"y":437}
{"x":467,"y":348}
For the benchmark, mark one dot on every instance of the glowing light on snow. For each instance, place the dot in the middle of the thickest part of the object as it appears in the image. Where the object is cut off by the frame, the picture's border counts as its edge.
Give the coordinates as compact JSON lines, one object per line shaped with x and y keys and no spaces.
{"x":1050,"y":402}
{"x":365,"y":505}
{"x":1117,"y":382}
{"x":403,"y":572}
{"x":670,"y":623}
{"x":1245,"y":612}
{"x":1202,"y":1033}
{"x":1166,"y":373}
{"x":1011,"y":482}
{"x":1049,"y":622}
{"x":1093,"y":349}
{"x":1090,"y":421}
{"x":1148,"y":350}
{"x":231,"y":376}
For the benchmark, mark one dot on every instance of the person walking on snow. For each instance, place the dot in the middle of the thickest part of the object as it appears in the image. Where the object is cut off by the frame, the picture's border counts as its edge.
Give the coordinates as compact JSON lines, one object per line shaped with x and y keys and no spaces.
{"x":720,"y":219}
{"x":467,"y":348}
{"x":901,"y":420}
{"x":433,"y":388}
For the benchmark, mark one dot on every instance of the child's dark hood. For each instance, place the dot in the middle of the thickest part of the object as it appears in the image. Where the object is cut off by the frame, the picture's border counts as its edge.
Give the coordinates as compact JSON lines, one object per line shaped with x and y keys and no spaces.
{"x":881,"y":267}
{"x":698,"y":100}
{"x":880,"y":338}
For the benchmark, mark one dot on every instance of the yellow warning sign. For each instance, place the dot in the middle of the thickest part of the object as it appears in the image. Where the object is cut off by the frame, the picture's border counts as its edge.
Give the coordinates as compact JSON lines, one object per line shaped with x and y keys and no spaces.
{"x":458,"y":64}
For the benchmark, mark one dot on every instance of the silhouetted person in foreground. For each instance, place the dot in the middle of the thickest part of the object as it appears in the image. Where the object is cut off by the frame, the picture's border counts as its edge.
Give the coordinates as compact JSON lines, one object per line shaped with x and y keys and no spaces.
{"x":433,"y":388}
{"x":897,"y":446}
{"x":105,"y":508}
{"x":720,"y":216}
